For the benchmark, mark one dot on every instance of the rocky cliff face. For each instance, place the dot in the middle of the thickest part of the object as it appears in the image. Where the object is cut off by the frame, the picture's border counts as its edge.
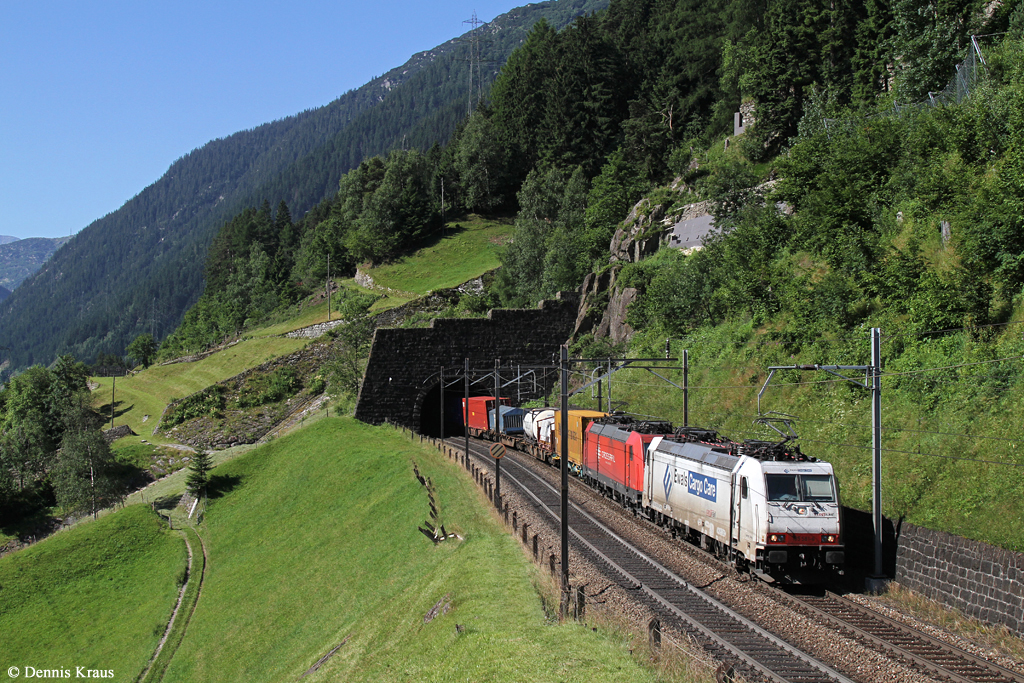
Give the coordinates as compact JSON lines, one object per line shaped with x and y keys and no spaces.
{"x":604,"y":303}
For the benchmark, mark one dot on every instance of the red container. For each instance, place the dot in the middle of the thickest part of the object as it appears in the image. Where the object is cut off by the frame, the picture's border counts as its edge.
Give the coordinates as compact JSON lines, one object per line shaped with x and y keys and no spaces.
{"x":476,"y":415}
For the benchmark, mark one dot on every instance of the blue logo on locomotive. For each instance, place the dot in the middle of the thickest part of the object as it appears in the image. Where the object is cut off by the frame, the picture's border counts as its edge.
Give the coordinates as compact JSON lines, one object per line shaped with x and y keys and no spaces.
{"x":702,"y":486}
{"x":667,"y":481}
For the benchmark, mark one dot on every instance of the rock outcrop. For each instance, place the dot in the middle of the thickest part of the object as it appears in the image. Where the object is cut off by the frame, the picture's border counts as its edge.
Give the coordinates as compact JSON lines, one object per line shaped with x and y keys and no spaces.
{"x":604,"y":302}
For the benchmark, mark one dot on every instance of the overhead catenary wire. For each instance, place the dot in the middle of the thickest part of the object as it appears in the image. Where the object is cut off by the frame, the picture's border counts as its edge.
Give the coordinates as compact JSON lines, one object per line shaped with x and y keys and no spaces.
{"x":973,"y":328}
{"x":884,"y":375}
{"x":950,"y":367}
{"x":905,"y":429}
{"x":899,"y":451}
{"x":928,"y":455}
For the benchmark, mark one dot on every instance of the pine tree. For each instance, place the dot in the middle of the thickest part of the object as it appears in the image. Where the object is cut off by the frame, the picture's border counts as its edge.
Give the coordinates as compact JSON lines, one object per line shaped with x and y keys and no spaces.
{"x":198,"y":473}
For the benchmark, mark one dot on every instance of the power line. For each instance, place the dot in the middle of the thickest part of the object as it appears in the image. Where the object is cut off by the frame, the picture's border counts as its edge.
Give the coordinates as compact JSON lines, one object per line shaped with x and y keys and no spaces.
{"x":913,"y":431}
{"x":898,"y":451}
{"x":474,"y":59}
{"x":949,"y":367}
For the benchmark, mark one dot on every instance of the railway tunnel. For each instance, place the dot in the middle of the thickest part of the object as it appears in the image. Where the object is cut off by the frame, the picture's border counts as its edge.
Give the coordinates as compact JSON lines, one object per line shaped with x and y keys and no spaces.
{"x":401,"y":382}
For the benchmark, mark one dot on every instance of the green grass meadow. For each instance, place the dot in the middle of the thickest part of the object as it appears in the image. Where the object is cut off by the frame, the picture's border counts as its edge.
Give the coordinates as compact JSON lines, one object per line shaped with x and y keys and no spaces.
{"x":97,"y":596}
{"x":149,"y":391}
{"x":314,"y":541}
{"x":469,"y":249}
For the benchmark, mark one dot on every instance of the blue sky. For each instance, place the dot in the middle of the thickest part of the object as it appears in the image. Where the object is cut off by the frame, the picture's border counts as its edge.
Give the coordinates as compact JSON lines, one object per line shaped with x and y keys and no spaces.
{"x":97,"y":99}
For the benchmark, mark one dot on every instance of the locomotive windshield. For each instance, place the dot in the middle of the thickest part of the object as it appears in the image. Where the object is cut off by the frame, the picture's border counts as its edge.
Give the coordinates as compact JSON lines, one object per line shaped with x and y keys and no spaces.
{"x":815,"y":488}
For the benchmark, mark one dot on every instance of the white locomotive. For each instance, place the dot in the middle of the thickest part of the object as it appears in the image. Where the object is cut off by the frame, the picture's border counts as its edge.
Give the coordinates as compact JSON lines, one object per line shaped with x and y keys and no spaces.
{"x":763,"y":505}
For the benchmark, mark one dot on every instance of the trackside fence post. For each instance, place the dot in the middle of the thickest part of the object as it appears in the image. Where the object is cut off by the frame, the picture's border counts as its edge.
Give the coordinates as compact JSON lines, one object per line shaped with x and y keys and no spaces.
{"x":654,"y":635}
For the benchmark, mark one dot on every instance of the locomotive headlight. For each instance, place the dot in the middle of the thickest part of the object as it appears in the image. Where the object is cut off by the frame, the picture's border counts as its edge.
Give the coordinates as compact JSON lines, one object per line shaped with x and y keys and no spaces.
{"x":828,"y":538}
{"x":777,"y":538}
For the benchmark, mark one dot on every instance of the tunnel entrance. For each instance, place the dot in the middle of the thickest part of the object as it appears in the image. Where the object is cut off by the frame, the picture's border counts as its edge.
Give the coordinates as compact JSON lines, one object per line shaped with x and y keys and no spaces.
{"x":404,"y":361}
{"x":430,"y":413}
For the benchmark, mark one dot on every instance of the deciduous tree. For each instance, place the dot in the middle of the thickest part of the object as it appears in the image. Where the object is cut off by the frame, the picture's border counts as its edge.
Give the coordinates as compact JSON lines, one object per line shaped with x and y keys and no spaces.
{"x":142,"y":349}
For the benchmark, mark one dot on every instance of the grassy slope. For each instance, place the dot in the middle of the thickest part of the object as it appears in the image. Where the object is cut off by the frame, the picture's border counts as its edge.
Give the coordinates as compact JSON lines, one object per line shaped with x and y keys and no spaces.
{"x":149,"y":392}
{"x":316,"y":543}
{"x":469,"y":249}
{"x":300,"y":316}
{"x":465,"y":252}
{"x":98,"y":595}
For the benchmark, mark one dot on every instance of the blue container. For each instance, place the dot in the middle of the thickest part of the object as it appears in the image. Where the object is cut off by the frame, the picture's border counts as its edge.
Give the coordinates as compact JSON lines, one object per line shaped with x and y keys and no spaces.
{"x":511,"y":420}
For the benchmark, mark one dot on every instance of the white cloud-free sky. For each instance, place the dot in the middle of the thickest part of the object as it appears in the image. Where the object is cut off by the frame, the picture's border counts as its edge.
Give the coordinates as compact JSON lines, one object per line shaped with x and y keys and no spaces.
{"x":97,"y":99}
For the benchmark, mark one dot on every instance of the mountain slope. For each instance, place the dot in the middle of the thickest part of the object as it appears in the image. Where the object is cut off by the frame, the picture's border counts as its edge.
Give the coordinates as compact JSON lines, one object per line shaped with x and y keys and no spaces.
{"x":140,"y":267}
{"x":20,"y":258}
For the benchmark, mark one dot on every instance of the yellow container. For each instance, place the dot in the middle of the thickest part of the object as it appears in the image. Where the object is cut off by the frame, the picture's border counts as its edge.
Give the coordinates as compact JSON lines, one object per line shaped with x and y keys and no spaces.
{"x":579,"y":422}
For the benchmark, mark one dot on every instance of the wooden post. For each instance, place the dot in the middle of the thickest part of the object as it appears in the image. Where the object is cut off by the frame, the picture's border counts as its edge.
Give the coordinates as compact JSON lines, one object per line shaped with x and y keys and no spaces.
{"x":654,"y":635}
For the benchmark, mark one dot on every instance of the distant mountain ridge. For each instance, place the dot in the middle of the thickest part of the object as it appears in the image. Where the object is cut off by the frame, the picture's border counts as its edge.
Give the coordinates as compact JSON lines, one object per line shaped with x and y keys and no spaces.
{"x":7,"y":239}
{"x":19,"y":258}
{"x":140,"y":267}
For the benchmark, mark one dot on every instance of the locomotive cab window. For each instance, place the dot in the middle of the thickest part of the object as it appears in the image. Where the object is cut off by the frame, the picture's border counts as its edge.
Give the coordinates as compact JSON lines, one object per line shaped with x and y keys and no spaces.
{"x":811,"y":488}
{"x":743,"y":487}
{"x":817,"y":488}
{"x":782,"y":487}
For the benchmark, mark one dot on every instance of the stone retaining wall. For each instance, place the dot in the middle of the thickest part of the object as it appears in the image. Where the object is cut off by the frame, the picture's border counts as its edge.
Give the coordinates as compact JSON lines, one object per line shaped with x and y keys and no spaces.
{"x":980,"y":580}
{"x":314,"y":331}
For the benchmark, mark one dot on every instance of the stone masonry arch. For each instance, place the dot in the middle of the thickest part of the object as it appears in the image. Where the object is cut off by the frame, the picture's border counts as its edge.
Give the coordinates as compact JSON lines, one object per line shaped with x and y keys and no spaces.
{"x":396,"y":384}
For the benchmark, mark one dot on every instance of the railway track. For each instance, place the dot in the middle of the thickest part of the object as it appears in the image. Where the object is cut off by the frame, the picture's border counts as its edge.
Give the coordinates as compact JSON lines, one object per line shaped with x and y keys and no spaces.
{"x":934,"y":656}
{"x":755,"y":652}
{"x":735,"y":638}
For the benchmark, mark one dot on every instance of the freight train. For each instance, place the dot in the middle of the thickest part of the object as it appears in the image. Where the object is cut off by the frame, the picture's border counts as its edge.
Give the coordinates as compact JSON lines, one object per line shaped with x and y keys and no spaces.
{"x":762,"y":505}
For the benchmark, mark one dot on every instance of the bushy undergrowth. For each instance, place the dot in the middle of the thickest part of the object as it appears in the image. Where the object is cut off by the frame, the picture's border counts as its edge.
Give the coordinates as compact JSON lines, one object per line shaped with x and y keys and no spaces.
{"x":261,"y":389}
{"x":208,"y":402}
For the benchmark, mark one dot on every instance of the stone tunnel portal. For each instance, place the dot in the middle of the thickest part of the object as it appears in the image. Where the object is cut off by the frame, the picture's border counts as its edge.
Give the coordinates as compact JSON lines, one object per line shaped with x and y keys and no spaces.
{"x":401,"y":385}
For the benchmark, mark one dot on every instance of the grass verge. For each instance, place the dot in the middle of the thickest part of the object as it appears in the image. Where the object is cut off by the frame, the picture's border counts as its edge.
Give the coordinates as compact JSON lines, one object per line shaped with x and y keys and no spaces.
{"x":96,"y":596}
{"x":997,"y":638}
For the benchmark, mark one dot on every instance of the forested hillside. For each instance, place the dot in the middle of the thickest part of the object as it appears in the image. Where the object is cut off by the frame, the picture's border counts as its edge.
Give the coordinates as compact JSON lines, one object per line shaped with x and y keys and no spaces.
{"x":582,"y":123}
{"x":140,"y":267}
{"x":20,"y":258}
